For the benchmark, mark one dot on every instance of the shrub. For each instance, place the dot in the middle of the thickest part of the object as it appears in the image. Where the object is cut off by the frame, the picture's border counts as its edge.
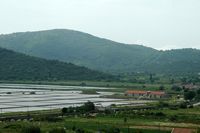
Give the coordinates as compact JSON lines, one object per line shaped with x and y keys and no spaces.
{"x":189,"y":95}
{"x":64,"y":110}
{"x":89,"y":106}
{"x":161,"y":87}
{"x":198,"y":130}
{"x":89,"y":92}
{"x":176,"y":88}
{"x":31,"y":129}
{"x":183,"y":105}
{"x":79,"y":130}
{"x":57,"y":130}
{"x":190,"y":106}
{"x":13,"y":126}
{"x":113,"y":130}
{"x":48,"y":118}
{"x":173,"y":118}
{"x":160,"y":114}
{"x":32,"y":93}
{"x":73,"y":128}
{"x":163,"y":104}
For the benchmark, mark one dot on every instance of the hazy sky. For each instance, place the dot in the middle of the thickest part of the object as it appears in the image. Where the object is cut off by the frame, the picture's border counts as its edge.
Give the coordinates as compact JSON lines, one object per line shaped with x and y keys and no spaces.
{"x":162,"y":24}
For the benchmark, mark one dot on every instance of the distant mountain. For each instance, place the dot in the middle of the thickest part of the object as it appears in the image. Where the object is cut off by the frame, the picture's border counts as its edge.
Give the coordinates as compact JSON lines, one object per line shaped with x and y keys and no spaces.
{"x":101,"y":54}
{"x":15,"y":66}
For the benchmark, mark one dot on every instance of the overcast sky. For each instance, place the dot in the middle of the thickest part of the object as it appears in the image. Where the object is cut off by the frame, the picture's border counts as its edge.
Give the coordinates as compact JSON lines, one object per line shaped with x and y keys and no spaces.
{"x":161,"y":24}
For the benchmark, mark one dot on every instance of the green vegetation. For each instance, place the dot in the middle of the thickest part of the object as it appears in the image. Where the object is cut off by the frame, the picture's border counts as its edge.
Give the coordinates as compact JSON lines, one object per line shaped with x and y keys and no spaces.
{"x":68,"y":126}
{"x":86,"y":108}
{"x":192,"y":95}
{"x":160,"y":120}
{"x":135,"y":67}
{"x":15,"y":66}
{"x":57,"y":130}
{"x":101,"y":54}
{"x":31,"y":129}
{"x":153,"y":118}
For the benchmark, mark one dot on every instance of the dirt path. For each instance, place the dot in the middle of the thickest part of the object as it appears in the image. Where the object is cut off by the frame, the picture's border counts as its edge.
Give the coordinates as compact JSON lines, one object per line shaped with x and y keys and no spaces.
{"x":153,"y":127}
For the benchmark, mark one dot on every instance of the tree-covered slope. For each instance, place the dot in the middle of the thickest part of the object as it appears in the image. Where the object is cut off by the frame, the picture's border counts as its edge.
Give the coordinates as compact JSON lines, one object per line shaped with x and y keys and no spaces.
{"x":179,"y":61}
{"x":101,"y":54}
{"x":78,"y":48}
{"x":15,"y":66}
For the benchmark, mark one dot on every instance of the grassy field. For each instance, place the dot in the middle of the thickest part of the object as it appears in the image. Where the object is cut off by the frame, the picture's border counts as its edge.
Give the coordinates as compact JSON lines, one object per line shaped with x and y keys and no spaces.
{"x":119,"y":86}
{"x":88,"y":125}
{"x":135,"y":123}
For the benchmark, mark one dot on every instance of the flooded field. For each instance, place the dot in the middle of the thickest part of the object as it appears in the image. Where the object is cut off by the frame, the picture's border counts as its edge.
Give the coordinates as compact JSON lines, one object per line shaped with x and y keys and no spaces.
{"x":15,"y":98}
{"x":59,"y":87}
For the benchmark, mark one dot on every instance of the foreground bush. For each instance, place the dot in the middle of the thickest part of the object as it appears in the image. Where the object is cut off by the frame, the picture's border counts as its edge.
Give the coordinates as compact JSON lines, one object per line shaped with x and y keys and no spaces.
{"x":57,"y":130}
{"x":31,"y":129}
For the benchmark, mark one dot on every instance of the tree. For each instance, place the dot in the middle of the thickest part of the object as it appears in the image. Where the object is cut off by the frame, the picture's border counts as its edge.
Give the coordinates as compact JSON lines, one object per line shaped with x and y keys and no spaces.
{"x":125,"y":120}
{"x":183,"y":105}
{"x":89,"y":106}
{"x":151,"y":78}
{"x":198,"y":91}
{"x":79,"y":130}
{"x":172,"y":81}
{"x":184,"y":80}
{"x":83,"y":84}
{"x":113,"y":130}
{"x":176,"y":88}
{"x":189,"y":95}
{"x":161,"y":87}
{"x":64,"y":111}
{"x":198,"y":95}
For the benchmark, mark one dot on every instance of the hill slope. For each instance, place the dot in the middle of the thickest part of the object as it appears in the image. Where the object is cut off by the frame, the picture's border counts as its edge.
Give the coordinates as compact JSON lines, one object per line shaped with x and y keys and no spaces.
{"x":100,"y":54}
{"x":179,"y":61}
{"x":15,"y":66}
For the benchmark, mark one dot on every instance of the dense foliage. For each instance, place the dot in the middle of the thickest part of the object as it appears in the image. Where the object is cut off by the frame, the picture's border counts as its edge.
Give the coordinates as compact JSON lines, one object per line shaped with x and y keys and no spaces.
{"x":85,"y":108}
{"x":15,"y":66}
{"x":31,"y":129}
{"x":192,"y":95}
{"x":101,"y":54}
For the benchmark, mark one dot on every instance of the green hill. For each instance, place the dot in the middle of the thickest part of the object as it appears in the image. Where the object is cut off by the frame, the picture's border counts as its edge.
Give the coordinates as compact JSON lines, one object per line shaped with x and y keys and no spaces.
{"x":179,"y":61}
{"x":101,"y":54}
{"x":15,"y":66}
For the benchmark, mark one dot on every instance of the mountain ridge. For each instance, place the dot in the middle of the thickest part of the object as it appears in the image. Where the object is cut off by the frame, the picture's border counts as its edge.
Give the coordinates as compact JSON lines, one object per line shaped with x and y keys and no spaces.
{"x":101,"y":54}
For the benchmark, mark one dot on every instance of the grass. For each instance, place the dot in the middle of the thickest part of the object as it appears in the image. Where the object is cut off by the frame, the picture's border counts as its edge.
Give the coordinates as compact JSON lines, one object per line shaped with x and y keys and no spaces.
{"x":188,"y":111}
{"x":93,"y":126}
{"x":132,"y":122}
{"x":88,"y":127}
{"x":118,"y":86}
{"x":136,"y":123}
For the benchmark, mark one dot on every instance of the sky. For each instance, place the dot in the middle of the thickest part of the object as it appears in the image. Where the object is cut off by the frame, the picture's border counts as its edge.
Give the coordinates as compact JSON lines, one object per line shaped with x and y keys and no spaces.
{"x":161,"y":24}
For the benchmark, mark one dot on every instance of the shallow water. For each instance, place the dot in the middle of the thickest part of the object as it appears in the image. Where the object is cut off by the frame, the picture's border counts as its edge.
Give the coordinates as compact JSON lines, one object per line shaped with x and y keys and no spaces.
{"x":20,"y":98}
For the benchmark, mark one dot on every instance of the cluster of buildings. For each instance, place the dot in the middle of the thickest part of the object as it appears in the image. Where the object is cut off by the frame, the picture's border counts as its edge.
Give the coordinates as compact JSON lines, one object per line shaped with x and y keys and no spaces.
{"x":146,"y":94}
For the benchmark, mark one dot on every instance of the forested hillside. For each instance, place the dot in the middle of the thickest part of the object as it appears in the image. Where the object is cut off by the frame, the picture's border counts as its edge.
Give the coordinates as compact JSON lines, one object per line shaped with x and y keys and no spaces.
{"x":15,"y":66}
{"x":101,"y":54}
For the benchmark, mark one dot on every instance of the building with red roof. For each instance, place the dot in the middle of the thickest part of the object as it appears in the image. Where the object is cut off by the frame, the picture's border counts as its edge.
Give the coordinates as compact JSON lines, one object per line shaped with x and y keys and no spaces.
{"x":145,"y":94}
{"x":183,"y":130}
